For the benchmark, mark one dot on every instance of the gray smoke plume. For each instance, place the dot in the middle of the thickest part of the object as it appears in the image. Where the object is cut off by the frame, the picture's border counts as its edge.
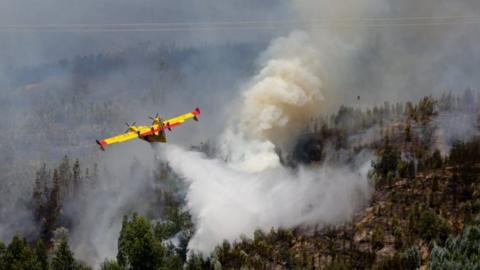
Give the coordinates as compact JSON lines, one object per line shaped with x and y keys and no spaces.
{"x":276,"y":104}
{"x":227,"y":203}
{"x":302,"y":75}
{"x":252,"y":190}
{"x":394,"y":50}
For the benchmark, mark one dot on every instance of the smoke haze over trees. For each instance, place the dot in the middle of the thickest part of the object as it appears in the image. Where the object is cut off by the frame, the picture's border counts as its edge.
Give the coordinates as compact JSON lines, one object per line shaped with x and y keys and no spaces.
{"x":289,"y":119}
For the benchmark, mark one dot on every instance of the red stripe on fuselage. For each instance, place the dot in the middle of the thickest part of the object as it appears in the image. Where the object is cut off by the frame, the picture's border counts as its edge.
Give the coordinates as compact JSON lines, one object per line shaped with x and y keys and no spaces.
{"x":150,"y":132}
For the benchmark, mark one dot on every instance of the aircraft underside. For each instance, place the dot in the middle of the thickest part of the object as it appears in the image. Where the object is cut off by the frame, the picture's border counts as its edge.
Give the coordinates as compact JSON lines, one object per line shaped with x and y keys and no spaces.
{"x":155,"y":138}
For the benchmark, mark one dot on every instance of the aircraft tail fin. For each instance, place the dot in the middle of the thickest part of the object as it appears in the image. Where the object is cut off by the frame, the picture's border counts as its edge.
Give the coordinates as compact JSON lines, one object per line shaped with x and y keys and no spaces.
{"x":196,"y":113}
{"x":101,"y":144}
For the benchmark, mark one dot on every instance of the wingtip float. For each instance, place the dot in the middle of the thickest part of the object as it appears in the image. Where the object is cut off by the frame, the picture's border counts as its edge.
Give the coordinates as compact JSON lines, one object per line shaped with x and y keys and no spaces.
{"x":153,"y":133}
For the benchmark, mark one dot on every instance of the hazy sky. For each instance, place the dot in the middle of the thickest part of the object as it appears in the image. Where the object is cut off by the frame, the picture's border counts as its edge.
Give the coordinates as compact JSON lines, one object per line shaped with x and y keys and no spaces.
{"x":391,"y":60}
{"x":27,"y":48}
{"x":123,"y":11}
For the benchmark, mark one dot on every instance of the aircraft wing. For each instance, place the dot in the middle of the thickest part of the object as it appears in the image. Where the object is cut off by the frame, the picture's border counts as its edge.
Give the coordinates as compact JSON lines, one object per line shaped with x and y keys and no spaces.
{"x":142,"y":131}
{"x":173,"y":122}
{"x":130,"y":135}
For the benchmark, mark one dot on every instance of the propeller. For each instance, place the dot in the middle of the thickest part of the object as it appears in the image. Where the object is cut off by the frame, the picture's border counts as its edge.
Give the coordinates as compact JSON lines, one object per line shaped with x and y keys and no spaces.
{"x":153,"y":118}
{"x":129,"y":125}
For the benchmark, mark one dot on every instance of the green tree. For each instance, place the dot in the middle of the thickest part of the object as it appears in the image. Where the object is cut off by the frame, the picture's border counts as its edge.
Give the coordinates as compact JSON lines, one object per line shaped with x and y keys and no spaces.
{"x":40,"y":190}
{"x":177,"y":222}
{"x":411,"y":112}
{"x":388,"y":159}
{"x":411,"y":258}
{"x":42,"y":255}
{"x":426,"y":109}
{"x":391,"y":263}
{"x":65,"y":177}
{"x":196,"y":262}
{"x":76,"y":178}
{"x":137,"y":246}
{"x":377,"y":238}
{"x":2,"y":255}
{"x":408,"y":132}
{"x":110,"y":265}
{"x":18,"y":255}
{"x":338,"y":265}
{"x":464,"y":154}
{"x":63,"y":259}
{"x":52,"y":210}
{"x":433,"y":227}
{"x":437,"y":160}
{"x":2,"y":248}
{"x":459,"y":252}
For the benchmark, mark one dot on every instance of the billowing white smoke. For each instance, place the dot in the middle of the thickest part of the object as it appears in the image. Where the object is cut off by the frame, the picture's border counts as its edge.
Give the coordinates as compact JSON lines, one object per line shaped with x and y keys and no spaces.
{"x":227,"y":203}
{"x":453,"y":127}
{"x":251,"y":190}
{"x":276,"y":105}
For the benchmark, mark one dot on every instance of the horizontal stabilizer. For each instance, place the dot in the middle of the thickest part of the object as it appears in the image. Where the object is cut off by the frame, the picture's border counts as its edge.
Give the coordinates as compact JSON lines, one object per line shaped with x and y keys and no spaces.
{"x":101,"y":144}
{"x":196,"y":113}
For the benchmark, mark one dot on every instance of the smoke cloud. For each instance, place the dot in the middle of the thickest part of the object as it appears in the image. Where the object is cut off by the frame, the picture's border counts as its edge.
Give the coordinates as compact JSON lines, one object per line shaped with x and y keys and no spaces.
{"x":276,"y":104}
{"x":227,"y":203}
{"x":299,"y":76}
{"x":393,"y":50}
{"x":252,"y":190}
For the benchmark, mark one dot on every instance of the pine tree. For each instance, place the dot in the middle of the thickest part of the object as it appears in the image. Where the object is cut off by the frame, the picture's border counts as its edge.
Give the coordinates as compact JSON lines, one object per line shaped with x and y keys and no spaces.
{"x":77,"y":178}
{"x":65,"y":177}
{"x":41,"y":255}
{"x":388,"y":159}
{"x":408,"y":132}
{"x":64,"y":259}
{"x":110,"y":265}
{"x":18,"y":255}
{"x":436,"y":161}
{"x":2,"y":255}
{"x":122,"y":256}
{"x":196,"y":262}
{"x":52,"y":210}
{"x":40,"y":190}
{"x":460,"y":252}
{"x":139,"y":248}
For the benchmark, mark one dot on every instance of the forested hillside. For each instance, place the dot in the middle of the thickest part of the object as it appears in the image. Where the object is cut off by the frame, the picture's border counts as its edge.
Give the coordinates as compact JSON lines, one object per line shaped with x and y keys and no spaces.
{"x":327,"y":134}
{"x":60,"y":108}
{"x":424,"y":210}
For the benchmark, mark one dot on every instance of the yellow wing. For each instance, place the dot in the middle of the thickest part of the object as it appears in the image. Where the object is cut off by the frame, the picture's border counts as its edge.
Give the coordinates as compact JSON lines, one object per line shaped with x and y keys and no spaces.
{"x":143,"y":131}
{"x":173,"y":122}
{"x":130,"y":135}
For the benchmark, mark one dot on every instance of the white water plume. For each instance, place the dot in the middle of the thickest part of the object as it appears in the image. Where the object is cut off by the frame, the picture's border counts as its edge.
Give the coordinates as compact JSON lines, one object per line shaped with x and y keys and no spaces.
{"x":251,"y":190}
{"x":227,"y":203}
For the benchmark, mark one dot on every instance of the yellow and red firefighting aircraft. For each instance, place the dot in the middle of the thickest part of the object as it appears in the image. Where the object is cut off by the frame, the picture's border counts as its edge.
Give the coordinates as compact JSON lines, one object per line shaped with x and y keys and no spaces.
{"x":152,"y":133}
